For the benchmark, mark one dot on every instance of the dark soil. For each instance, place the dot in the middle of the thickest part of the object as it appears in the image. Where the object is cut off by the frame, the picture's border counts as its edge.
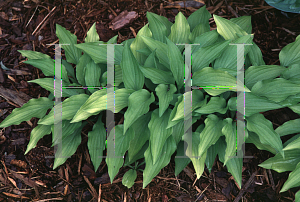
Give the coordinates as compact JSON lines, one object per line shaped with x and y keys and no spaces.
{"x":26,"y":25}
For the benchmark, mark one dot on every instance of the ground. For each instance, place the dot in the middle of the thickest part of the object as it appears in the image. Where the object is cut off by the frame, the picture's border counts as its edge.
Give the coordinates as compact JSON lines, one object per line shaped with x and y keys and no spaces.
{"x":30,"y":25}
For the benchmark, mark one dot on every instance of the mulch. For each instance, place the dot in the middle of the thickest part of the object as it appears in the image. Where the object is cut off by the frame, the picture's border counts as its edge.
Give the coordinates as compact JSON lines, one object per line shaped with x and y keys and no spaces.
{"x":30,"y":25}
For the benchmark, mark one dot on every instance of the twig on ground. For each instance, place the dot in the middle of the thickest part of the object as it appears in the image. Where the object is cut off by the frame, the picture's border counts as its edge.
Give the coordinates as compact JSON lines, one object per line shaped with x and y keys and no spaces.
{"x":246,"y":186}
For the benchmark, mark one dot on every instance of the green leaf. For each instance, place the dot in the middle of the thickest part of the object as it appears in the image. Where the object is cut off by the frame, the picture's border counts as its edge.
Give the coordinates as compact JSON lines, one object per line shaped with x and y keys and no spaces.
{"x":235,"y":166}
{"x":180,"y":163}
{"x":175,"y":98}
{"x":165,"y":96}
{"x":36,"y":134}
{"x":139,"y":44}
{"x":258,"y":73}
{"x":120,"y":145}
{"x":150,"y":85}
{"x":33,"y":108}
{"x":211,"y":133}
{"x":228,"y":58}
{"x":221,"y":145}
{"x":160,"y":65}
{"x":291,"y":140}
{"x":103,"y":80}
{"x":227,"y":95}
{"x":255,"y":104}
{"x":295,"y":108}
{"x":97,"y":102}
{"x":151,"y":170}
{"x":47,"y":67}
{"x":292,"y":6}
{"x":158,"y":133}
{"x":211,"y":156}
{"x":206,"y":55}
{"x":92,"y":75}
{"x":293,"y":180}
{"x":142,"y":134}
{"x":290,"y":54}
{"x":232,"y":104}
{"x":80,"y":68}
{"x":33,"y":54}
{"x":48,"y":84}
{"x":297,"y":196}
{"x":78,"y":90}
{"x":138,"y":156}
{"x":133,"y":78}
{"x":276,"y":90}
{"x":151,"y":60}
{"x":69,"y":108}
{"x":255,"y":55}
{"x":180,"y":30}
{"x":254,"y":138}
{"x":289,"y":127}
{"x":158,"y":76}
{"x":96,"y":51}
{"x":65,"y":37}
{"x":229,"y":130}
{"x":129,"y":41}
{"x":178,"y":131}
{"x":67,"y":129}
{"x":200,"y":16}
{"x":293,"y":145}
{"x":112,"y":40}
{"x":209,"y":77}
{"x":118,"y":75}
{"x":92,"y":35}
{"x":264,"y":129}
{"x":198,"y":30}
{"x":158,"y":29}
{"x":216,"y":104}
{"x":161,"y":51}
{"x":145,"y":51}
{"x":70,"y":70}
{"x":279,"y":164}
{"x":292,"y":72}
{"x":138,"y":104}
{"x":118,"y":49}
{"x":247,"y":61}
{"x":205,"y":39}
{"x":244,"y":22}
{"x":68,"y":147}
{"x":171,"y":123}
{"x":176,"y":63}
{"x":295,"y":80}
{"x":228,"y":29}
{"x":96,"y":143}
{"x":197,"y":101}
{"x":165,"y":21}
{"x":129,"y":178}
{"x":198,"y":162}
{"x":99,"y":52}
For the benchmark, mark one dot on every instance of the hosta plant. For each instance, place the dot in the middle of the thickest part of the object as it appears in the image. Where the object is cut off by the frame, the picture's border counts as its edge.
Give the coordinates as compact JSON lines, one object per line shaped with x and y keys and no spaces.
{"x":150,"y":95}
